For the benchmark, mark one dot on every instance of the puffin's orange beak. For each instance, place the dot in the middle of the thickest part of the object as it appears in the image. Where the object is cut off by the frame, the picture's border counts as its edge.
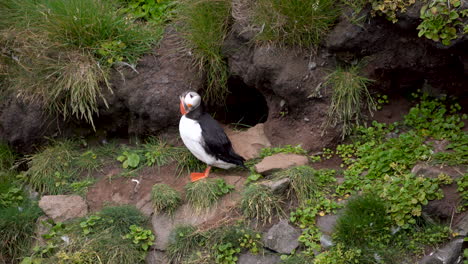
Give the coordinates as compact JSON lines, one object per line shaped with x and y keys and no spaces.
{"x":182,"y":108}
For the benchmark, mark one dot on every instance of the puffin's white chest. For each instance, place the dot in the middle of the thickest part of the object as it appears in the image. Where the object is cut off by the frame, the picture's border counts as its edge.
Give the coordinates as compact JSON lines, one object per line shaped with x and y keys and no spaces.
{"x":191,"y":134}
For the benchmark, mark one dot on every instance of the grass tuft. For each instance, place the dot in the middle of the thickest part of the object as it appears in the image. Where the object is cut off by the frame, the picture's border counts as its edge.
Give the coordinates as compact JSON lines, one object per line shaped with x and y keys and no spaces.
{"x":59,"y":52}
{"x":260,"y":203}
{"x":187,"y":162}
{"x":204,"y":193}
{"x":165,"y":198}
{"x":183,"y":240}
{"x":363,"y":220}
{"x":204,"y":27}
{"x":18,"y":225}
{"x":303,"y":182}
{"x":295,"y":22}
{"x":350,"y":96}
{"x":123,"y":217}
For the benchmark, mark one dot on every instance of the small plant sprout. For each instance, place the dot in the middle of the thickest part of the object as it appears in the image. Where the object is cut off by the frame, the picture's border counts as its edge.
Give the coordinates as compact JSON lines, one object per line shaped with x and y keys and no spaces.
{"x":165,"y":199}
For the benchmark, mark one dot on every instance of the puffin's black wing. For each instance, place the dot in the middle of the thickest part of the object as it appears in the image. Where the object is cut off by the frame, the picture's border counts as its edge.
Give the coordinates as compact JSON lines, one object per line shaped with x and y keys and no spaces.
{"x":216,"y":141}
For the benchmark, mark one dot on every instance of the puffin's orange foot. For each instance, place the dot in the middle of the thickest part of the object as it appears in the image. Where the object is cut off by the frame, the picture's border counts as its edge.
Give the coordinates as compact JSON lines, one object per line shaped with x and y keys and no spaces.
{"x":195,"y":176}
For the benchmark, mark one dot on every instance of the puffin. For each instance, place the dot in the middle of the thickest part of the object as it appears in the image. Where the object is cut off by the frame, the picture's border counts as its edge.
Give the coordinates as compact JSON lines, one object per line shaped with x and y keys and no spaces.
{"x":204,"y":137}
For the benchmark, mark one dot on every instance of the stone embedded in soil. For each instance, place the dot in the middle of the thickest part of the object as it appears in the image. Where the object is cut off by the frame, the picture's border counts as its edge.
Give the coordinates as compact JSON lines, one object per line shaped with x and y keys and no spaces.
{"x":247,"y":258}
{"x":451,"y":253}
{"x":326,"y":223}
{"x":282,"y":238}
{"x":430,"y":171}
{"x":63,"y":207}
{"x":326,"y":241}
{"x":156,"y":257}
{"x":279,"y":162}
{"x":277,"y":186}
{"x":249,"y":143}
{"x":461,"y":227}
{"x":144,"y":205}
{"x":186,"y":215}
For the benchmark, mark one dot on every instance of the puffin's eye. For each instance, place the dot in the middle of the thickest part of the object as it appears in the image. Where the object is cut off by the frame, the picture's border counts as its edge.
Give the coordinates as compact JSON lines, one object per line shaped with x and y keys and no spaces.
{"x":191,"y":96}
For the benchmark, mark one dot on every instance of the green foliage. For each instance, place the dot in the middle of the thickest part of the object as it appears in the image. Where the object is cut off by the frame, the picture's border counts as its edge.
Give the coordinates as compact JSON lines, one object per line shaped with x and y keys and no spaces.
{"x":59,"y":168}
{"x":7,"y":157}
{"x":12,"y":197}
{"x":406,"y":194}
{"x":440,"y":21}
{"x":113,"y":235}
{"x":304,"y":182}
{"x":381,"y":100}
{"x":431,"y":117}
{"x":18,"y":226}
{"x":159,"y":153}
{"x":205,"y":193}
{"x":390,"y":8}
{"x":204,"y":27}
{"x":294,"y":22}
{"x":260,"y":203}
{"x":129,"y":159}
{"x":350,"y":96}
{"x":140,"y":236}
{"x":250,"y":241}
{"x":165,"y":198}
{"x":457,"y":151}
{"x":363,"y":220}
{"x":462,"y":188}
{"x":184,"y":239}
{"x":285,"y":149}
{"x":150,"y":10}
{"x":226,"y":253}
{"x":187,"y":162}
{"x":63,"y":51}
{"x":338,"y":255}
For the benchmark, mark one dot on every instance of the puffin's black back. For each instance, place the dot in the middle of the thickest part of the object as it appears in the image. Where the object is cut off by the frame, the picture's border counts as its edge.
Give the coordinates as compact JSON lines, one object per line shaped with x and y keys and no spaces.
{"x":216,"y":142}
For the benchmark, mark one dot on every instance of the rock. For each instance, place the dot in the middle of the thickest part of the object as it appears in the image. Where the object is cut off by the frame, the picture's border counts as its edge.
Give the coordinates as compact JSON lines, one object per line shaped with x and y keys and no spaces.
{"x":282,"y":238}
{"x":278,"y":186}
{"x":430,"y":171}
{"x":249,"y":143}
{"x":326,"y":223}
{"x":280,"y":161}
{"x":247,"y":258}
{"x":326,"y":241}
{"x":461,"y":226}
{"x":146,"y":102}
{"x":156,"y":257}
{"x":63,"y":207}
{"x":42,"y":228}
{"x":145,"y":205}
{"x":451,"y":253}
{"x":186,"y":215}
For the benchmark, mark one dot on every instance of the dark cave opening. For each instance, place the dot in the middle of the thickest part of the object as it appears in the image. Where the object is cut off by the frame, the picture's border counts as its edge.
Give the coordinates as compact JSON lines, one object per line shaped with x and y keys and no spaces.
{"x":244,"y":105}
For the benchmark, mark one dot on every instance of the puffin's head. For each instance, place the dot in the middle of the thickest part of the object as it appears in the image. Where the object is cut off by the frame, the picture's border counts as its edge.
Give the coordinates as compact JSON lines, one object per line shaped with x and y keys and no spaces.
{"x":189,"y":101}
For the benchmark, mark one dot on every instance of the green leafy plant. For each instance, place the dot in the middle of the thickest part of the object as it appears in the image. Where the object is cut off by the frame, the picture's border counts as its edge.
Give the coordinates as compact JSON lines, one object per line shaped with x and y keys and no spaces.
{"x":89,"y":223}
{"x":339,"y":255}
{"x":129,"y":160}
{"x":165,"y":198}
{"x":381,"y":100}
{"x":294,"y":23}
{"x":462,"y":188}
{"x":260,"y":203}
{"x":226,"y":253}
{"x":151,"y":10}
{"x":350,"y":96}
{"x":440,"y":20}
{"x":250,"y":241}
{"x":140,"y":236}
{"x":205,"y":193}
{"x":13,"y":197}
{"x":390,"y":8}
{"x":204,"y":27}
